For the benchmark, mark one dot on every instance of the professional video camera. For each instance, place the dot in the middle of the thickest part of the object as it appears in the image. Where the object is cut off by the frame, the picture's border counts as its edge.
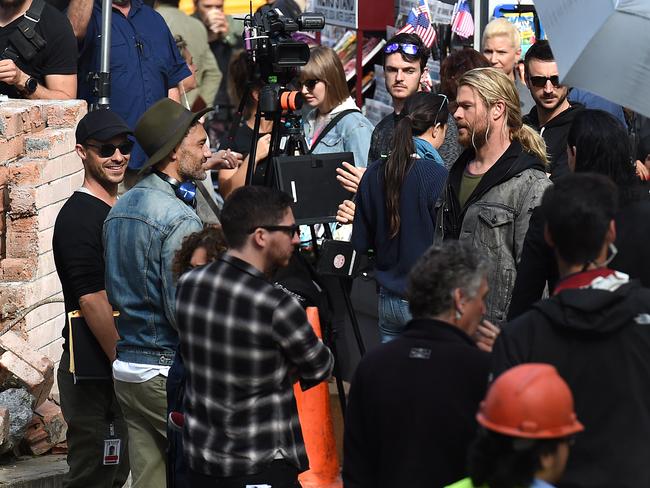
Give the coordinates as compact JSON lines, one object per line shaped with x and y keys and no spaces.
{"x":267,"y":37}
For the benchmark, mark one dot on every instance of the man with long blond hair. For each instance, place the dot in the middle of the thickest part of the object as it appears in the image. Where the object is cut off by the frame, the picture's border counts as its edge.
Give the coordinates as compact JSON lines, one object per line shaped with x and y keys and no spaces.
{"x":496,"y":182}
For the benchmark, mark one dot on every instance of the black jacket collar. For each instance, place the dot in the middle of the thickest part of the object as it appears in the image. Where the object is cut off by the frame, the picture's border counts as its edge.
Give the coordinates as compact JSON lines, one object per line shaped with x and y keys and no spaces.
{"x":436,"y":330}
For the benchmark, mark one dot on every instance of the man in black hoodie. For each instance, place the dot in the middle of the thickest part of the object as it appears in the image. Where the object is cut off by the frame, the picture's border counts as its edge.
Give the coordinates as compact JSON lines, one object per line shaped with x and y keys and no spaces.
{"x":552,"y":114}
{"x":596,"y":331}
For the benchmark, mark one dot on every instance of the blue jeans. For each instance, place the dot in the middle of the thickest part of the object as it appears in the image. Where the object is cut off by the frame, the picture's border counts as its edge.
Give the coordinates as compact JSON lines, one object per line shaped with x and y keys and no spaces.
{"x":393,"y":313}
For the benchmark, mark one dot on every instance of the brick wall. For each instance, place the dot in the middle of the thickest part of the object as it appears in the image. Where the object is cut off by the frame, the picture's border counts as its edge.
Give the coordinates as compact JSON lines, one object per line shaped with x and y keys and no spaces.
{"x":39,"y":170}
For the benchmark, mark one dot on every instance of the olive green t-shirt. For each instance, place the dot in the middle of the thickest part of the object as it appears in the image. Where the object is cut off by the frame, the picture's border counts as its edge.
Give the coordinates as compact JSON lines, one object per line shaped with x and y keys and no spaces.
{"x":467,"y":186}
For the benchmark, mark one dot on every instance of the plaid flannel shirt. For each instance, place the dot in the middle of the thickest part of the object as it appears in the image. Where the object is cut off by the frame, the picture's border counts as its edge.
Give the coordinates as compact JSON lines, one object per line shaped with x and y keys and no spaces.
{"x":240,"y":340}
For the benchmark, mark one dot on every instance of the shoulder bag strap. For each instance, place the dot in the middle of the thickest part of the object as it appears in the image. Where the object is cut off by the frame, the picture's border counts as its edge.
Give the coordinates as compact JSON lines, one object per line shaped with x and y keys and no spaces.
{"x":330,"y":126}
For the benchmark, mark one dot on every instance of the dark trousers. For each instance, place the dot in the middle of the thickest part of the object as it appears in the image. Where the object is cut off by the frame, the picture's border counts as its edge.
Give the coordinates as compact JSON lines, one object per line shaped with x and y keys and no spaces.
{"x":89,"y":407}
{"x":280,"y":474}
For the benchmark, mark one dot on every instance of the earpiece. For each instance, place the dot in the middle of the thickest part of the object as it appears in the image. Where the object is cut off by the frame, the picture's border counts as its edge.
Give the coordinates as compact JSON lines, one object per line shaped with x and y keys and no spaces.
{"x":185,"y":191}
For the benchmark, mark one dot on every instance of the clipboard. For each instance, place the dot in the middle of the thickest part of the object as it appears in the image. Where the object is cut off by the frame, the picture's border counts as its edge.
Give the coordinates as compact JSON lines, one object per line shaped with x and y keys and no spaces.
{"x":87,"y":358}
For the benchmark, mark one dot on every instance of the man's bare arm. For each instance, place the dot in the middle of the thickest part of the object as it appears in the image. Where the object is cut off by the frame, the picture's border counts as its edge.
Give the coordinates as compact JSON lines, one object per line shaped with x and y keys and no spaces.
{"x":79,"y":13}
{"x":58,"y":87}
{"x":98,"y":313}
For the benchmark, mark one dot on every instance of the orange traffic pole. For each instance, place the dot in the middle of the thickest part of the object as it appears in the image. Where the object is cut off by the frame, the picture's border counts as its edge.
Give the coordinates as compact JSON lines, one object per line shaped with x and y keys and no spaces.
{"x":317,"y":429}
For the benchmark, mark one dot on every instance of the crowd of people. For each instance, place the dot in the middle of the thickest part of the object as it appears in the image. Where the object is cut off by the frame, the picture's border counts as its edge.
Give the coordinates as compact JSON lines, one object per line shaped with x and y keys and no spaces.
{"x":506,"y":215}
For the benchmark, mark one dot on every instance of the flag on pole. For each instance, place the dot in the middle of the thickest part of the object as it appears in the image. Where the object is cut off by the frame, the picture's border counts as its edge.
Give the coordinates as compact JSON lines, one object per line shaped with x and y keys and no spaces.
{"x":462,"y":22}
{"x":419,"y":22}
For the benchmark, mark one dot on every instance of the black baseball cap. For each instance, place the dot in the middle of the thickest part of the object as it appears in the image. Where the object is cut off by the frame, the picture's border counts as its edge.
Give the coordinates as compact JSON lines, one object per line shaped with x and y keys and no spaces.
{"x":101,"y":125}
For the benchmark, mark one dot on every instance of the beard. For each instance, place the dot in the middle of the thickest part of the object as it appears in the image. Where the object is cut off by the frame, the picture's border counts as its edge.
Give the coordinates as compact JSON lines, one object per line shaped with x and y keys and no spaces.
{"x":475,"y":136}
{"x":549,"y":109}
{"x":190,"y":167}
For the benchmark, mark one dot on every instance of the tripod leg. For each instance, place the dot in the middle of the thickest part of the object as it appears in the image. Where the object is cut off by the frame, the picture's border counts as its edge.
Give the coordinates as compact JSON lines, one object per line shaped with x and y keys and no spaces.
{"x":353,"y":318}
{"x":337,"y":375}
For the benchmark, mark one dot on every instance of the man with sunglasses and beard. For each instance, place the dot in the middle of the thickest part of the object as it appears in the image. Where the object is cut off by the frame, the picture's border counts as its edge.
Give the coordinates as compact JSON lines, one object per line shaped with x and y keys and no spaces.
{"x":89,"y":406}
{"x":244,"y":343}
{"x":552,"y":114}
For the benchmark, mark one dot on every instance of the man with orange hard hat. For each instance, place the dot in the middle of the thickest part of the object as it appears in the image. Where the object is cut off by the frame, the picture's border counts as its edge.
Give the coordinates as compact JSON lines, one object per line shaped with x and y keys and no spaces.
{"x":528,"y":422}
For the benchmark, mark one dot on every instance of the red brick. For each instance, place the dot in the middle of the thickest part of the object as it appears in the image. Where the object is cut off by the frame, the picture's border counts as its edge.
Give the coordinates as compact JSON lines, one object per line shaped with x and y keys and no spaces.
{"x":36,"y":119}
{"x":21,"y":365}
{"x":23,"y":225}
{"x":64,"y":113}
{"x":18,"y":269}
{"x":12,"y":121}
{"x":4,"y":175}
{"x":60,"y":448}
{"x":49,"y":143}
{"x":26,"y":172}
{"x":53,"y":421}
{"x":21,"y":244}
{"x":22,"y":202}
{"x":12,"y":148}
{"x":12,"y":298}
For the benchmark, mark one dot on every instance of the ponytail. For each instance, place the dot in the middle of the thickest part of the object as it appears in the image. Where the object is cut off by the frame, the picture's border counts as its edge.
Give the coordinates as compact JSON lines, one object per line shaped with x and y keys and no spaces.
{"x":531,"y":142}
{"x":398,"y":163}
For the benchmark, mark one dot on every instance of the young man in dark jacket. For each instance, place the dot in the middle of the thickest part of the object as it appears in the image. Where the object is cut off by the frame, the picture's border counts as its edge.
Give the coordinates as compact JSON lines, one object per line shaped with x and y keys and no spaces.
{"x":552,"y":114}
{"x":595,"y":331}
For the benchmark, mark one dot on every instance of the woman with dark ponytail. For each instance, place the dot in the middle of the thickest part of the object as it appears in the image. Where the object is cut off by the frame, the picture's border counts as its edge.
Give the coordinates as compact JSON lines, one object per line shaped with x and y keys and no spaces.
{"x":395,"y":204}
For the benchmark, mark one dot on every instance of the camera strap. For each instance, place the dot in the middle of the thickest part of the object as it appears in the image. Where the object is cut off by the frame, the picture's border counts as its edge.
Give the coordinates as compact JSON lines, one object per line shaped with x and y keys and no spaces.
{"x":330,"y":126}
{"x":25,"y":42}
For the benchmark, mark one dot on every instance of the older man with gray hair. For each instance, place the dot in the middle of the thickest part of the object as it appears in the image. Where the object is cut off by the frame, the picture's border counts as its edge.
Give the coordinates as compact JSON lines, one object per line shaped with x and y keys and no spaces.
{"x":411,"y":409}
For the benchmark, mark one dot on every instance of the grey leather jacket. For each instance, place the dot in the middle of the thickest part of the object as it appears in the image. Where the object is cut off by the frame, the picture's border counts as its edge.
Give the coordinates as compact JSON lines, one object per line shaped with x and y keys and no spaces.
{"x":495,"y":218}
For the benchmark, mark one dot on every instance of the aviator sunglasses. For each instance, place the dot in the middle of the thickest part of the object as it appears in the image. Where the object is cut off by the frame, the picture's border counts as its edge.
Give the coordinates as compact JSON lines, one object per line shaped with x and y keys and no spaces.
{"x":107,"y":150}
{"x":540,"y":81}
{"x":410,"y":49}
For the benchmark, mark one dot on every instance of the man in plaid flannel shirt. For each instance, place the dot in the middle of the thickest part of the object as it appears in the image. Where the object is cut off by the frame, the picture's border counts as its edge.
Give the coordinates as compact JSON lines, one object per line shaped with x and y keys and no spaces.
{"x":244,"y":342}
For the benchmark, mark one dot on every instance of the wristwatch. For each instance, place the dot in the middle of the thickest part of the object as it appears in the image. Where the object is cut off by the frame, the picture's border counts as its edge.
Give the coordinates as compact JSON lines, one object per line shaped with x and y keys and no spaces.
{"x":30,"y":86}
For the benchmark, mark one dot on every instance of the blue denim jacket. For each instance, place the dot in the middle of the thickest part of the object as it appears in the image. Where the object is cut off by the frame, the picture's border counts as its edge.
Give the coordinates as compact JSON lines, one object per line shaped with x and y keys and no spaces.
{"x":142,"y":233}
{"x":350,"y":134}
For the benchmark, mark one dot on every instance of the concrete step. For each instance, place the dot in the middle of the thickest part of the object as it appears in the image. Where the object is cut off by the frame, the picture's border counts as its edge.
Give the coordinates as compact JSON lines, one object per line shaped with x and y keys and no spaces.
{"x":33,"y":472}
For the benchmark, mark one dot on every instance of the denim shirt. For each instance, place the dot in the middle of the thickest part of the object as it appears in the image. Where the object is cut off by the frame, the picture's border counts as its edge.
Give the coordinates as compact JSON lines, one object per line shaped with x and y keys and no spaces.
{"x":350,"y":134}
{"x":141,"y":234}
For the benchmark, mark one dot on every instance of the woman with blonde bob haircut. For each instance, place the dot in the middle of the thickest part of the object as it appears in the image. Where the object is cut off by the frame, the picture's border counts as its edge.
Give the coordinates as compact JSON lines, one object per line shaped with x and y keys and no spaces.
{"x":325,"y":90}
{"x":496,"y":182}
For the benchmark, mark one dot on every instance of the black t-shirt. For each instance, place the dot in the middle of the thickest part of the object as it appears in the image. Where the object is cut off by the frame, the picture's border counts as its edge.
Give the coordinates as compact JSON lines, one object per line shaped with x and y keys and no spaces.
{"x":78,"y":249}
{"x":58,"y":57}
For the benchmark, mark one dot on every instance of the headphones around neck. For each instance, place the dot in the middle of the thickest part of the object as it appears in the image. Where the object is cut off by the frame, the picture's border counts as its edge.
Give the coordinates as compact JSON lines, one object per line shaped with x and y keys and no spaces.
{"x":185,"y":191}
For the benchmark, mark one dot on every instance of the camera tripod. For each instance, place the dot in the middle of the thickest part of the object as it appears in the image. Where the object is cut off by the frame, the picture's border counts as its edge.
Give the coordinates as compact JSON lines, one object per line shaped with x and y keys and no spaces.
{"x":287,"y":139}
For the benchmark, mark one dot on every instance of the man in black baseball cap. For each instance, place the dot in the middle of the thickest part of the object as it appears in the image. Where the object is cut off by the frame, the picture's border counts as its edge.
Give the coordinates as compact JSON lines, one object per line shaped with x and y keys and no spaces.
{"x":97,"y":432}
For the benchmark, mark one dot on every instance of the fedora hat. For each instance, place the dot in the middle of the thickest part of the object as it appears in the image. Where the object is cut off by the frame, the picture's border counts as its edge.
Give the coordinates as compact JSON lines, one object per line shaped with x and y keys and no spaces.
{"x":162,"y":127}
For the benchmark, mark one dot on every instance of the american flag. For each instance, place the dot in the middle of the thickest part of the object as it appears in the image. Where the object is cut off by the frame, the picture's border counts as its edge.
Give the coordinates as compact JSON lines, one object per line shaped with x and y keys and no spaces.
{"x":419,"y":21}
{"x":462,"y":23}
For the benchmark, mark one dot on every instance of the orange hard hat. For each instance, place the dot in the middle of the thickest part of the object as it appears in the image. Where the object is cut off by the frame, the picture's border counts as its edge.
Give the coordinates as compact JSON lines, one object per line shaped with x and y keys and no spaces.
{"x":530,"y":401}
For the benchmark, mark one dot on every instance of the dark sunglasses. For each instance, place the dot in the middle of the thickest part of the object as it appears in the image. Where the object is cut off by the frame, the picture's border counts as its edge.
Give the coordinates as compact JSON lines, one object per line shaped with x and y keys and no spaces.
{"x":310,"y":84}
{"x":292,"y":230}
{"x":393,"y":47}
{"x":107,"y":150}
{"x":540,"y":81}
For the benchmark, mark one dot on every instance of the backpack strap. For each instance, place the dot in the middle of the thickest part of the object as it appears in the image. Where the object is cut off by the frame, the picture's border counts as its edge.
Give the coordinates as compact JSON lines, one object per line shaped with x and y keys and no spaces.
{"x":25,"y":42}
{"x":330,"y":126}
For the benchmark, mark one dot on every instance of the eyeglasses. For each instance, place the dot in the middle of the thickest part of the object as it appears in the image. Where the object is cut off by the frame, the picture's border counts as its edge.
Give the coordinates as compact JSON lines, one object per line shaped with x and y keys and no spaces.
{"x":107,"y":150}
{"x":540,"y":81}
{"x":411,"y":49}
{"x":291,"y":230}
{"x":310,"y":84}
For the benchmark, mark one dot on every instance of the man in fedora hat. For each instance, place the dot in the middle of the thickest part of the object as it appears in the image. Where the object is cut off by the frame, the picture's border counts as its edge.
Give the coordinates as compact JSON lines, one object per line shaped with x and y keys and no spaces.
{"x":141,"y":235}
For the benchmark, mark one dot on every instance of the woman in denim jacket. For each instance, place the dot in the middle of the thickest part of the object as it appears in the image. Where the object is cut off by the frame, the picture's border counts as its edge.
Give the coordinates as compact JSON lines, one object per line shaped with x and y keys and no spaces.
{"x":326,"y":91}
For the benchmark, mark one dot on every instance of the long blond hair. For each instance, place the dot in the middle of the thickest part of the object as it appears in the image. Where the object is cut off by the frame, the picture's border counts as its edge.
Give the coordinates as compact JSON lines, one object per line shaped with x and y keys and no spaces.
{"x":493,"y":86}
